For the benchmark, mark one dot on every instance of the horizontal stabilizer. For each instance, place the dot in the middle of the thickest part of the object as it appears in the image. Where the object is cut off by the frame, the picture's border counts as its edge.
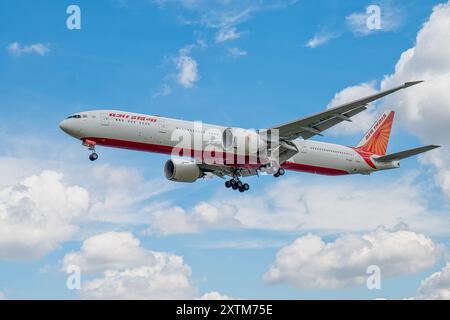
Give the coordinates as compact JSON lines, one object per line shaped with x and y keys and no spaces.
{"x":406,"y":154}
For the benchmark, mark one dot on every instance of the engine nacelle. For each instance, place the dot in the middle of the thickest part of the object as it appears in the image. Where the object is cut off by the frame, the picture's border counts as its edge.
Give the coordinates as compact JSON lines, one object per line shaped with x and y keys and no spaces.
{"x":243,"y":141}
{"x":182,"y":171}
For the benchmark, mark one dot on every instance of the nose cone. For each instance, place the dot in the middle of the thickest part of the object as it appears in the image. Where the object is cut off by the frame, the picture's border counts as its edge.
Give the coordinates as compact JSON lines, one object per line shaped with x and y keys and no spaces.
{"x":64,"y":126}
{"x":71,"y":128}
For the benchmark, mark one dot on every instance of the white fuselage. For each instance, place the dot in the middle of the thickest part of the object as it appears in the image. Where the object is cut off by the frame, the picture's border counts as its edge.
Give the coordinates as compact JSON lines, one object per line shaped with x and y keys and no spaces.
{"x":157,"y":134}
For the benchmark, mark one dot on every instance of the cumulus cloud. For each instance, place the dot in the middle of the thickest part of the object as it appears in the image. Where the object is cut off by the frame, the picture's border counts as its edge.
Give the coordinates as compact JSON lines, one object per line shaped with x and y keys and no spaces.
{"x":176,"y":220}
{"x":436,"y":286}
{"x":167,"y":279}
{"x":37,"y":214}
{"x":120,"y":193}
{"x":424,"y":110}
{"x":41,"y":208}
{"x":18,"y":49}
{"x":111,"y":250}
{"x":123,"y":269}
{"x":309,"y":262}
{"x":296,"y":204}
{"x":129,"y":271}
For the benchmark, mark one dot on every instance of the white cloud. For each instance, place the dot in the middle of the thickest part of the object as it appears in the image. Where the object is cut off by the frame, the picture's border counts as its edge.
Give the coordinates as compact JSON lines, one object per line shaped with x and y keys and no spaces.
{"x":296,"y":204}
{"x":242,"y":244}
{"x":391,"y":19}
{"x":176,"y":220}
{"x":320,"y":39}
{"x":129,"y":271}
{"x":118,"y":194}
{"x":214,"y":295}
{"x":18,"y":49}
{"x":37,"y":214}
{"x":110,"y":250}
{"x":223,"y":15}
{"x":436,"y":286}
{"x":41,"y":208}
{"x":236,"y":52}
{"x":167,"y":279}
{"x":363,"y":24}
{"x":227,"y":34}
{"x":188,"y":71}
{"x":309,"y":262}
{"x":124,"y":269}
{"x":424,"y":110}
{"x":187,"y":67}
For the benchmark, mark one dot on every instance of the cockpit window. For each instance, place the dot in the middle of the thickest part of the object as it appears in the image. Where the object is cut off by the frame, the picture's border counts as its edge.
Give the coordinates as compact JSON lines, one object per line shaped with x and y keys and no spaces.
{"x":75,"y":116}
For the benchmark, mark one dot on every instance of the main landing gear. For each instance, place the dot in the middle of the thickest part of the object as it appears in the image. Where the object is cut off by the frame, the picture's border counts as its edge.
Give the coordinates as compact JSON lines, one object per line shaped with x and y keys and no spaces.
{"x":91,"y":146}
{"x":237,"y":184}
{"x":279,"y":173}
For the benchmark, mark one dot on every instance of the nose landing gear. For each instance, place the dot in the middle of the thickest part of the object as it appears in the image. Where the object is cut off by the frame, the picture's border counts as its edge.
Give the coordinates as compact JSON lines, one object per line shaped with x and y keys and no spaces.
{"x":91,"y":146}
{"x":237,"y":184}
{"x":93,"y":156}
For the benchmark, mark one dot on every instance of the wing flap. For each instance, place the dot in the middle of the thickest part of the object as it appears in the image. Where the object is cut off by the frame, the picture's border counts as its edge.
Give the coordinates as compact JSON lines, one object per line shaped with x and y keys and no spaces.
{"x":331,"y":122}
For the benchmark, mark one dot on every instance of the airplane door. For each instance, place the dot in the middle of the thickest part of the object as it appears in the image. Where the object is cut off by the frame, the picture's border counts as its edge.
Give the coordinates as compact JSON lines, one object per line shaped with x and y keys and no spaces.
{"x":104,"y":118}
{"x":162,"y":126}
{"x":304,"y":149}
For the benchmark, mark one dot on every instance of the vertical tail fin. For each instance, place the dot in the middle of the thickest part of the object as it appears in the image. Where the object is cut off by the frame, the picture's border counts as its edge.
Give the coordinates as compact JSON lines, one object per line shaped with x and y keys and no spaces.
{"x":376,"y":140}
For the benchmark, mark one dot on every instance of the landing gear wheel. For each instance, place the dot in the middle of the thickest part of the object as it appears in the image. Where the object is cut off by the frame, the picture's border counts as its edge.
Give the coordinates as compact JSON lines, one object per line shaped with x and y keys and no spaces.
{"x":279,"y":173}
{"x":240,"y":184}
{"x":228,"y":184}
{"x":234,"y":186}
{"x":93,"y":156}
{"x":233,"y":182}
{"x":246,"y":187}
{"x":241,"y":189}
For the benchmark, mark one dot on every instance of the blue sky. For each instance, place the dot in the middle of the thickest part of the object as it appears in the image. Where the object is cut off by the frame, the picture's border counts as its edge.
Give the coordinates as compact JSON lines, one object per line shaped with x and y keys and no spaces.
{"x":129,"y":55}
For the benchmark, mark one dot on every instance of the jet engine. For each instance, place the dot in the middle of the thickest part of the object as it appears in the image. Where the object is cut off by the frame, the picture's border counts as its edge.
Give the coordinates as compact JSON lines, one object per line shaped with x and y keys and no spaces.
{"x":243,"y":141}
{"x":182,"y":171}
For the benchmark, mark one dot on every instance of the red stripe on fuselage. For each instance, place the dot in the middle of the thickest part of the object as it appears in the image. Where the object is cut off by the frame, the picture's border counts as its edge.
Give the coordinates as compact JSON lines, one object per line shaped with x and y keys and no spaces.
{"x":208,"y":157}
{"x":313,"y":169}
{"x":149,"y":147}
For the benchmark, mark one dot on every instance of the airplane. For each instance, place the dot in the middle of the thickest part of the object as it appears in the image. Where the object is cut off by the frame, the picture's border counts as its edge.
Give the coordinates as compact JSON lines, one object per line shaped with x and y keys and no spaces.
{"x":293,"y":148}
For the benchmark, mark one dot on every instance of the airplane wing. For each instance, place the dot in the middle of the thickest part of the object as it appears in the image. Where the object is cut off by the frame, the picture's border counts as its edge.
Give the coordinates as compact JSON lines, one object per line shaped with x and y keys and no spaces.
{"x":405,"y":154}
{"x":316,"y":124}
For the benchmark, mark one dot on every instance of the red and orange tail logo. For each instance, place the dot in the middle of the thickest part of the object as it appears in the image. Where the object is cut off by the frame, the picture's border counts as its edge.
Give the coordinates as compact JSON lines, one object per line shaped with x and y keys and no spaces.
{"x":376,"y":139}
